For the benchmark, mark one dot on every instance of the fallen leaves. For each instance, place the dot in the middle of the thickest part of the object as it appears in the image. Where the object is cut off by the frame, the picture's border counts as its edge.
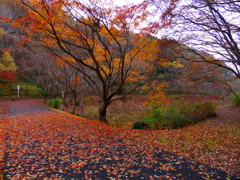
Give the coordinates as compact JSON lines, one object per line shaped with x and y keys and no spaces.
{"x":3,"y":132}
{"x":59,"y":145}
{"x":3,"y":109}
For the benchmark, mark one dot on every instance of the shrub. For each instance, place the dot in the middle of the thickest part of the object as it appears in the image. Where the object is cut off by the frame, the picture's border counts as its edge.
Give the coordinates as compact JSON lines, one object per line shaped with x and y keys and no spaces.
{"x":88,"y":99}
{"x":236,"y":99}
{"x":174,"y":119}
{"x":197,"y":111}
{"x":91,"y":112}
{"x":6,"y":90}
{"x":77,"y":103}
{"x":31,"y":90}
{"x":179,"y":115}
{"x":140,"y":125}
{"x":165,"y":117}
{"x":54,"y":103}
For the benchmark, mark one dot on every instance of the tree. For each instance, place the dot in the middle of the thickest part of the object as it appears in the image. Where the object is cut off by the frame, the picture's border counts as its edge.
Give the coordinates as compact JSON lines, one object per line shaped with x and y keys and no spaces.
{"x":96,"y":40}
{"x":7,"y":68}
{"x":213,"y":27}
{"x":184,"y":73}
{"x":8,"y":37}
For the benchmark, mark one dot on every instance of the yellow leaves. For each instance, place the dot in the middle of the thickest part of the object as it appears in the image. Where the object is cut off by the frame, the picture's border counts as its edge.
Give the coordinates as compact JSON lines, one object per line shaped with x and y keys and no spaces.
{"x":145,"y":48}
{"x":64,"y":61}
{"x":166,"y":63}
{"x":157,"y":95}
{"x":89,"y":61}
{"x":49,"y":42}
{"x":135,"y":76}
{"x":60,"y":62}
{"x":100,"y":53}
{"x":7,"y":62}
{"x":69,"y":59}
{"x":2,"y":32}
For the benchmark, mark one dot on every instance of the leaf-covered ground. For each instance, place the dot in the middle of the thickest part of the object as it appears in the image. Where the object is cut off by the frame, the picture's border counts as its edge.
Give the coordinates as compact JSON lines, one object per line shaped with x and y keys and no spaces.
{"x":3,"y":109}
{"x":59,"y":145}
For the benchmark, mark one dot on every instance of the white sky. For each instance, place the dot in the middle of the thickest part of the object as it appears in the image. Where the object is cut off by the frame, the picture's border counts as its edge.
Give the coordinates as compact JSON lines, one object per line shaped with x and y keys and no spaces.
{"x":125,"y":2}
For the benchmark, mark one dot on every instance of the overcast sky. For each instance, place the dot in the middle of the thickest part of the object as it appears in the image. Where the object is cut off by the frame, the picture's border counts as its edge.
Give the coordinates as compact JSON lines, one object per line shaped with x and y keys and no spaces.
{"x":124,"y":2}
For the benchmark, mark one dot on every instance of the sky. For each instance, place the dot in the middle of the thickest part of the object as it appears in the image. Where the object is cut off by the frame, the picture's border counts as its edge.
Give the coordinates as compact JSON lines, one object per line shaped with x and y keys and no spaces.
{"x":125,"y":2}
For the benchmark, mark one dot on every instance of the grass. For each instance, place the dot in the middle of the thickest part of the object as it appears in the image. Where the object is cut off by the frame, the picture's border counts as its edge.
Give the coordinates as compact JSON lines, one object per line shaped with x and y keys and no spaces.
{"x":121,"y":113}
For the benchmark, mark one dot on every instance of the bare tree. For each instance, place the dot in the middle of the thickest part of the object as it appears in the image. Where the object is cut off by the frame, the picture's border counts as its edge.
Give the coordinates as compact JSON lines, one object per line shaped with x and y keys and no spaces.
{"x":210,"y":26}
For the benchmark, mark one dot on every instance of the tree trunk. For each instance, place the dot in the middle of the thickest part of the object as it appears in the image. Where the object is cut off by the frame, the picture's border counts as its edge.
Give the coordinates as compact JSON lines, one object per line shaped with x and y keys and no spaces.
{"x":63,"y":101}
{"x":45,"y":99}
{"x":102,"y":112}
{"x":74,"y":98}
{"x":81,"y":107}
{"x":63,"y":104}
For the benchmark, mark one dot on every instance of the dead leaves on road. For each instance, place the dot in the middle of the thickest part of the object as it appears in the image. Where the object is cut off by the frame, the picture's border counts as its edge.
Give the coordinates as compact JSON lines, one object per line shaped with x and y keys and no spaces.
{"x":57,"y":145}
{"x":3,"y":131}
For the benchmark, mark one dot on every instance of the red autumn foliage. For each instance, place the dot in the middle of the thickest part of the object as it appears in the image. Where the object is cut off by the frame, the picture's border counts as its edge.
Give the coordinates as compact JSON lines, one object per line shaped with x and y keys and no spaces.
{"x":8,"y":76}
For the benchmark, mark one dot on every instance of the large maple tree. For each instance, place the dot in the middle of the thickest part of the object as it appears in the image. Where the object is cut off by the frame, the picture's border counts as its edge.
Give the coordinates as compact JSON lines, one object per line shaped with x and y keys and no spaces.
{"x":95,"y":38}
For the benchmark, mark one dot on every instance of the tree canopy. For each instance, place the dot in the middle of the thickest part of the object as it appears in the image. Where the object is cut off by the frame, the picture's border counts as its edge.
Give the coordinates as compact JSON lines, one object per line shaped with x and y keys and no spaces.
{"x":94,"y":38}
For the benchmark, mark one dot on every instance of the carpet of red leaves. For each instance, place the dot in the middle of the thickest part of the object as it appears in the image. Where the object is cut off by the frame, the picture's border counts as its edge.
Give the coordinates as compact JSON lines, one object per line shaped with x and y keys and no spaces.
{"x":3,"y":109}
{"x":51,"y":142}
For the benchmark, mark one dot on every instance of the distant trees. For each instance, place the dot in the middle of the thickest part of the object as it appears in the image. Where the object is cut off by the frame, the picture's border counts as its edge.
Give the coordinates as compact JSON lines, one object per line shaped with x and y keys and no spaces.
{"x":208,"y":30}
{"x":186,"y":72}
{"x":7,"y":64}
{"x":7,"y":68}
{"x":210,"y":26}
{"x":8,"y":38}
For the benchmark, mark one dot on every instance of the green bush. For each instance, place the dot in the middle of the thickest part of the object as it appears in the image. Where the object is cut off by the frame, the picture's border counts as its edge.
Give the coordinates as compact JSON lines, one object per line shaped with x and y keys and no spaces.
{"x":31,"y":90}
{"x":77,"y":103}
{"x":197,"y":111}
{"x":88,"y":99}
{"x":236,"y":99}
{"x":6,"y":90}
{"x":140,"y":125}
{"x":54,"y":103}
{"x":179,"y":115}
{"x":165,"y":117}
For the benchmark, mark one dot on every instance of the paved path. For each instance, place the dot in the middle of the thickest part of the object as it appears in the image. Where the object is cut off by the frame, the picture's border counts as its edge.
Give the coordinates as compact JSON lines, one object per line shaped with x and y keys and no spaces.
{"x":23,"y":107}
{"x":43,"y":144}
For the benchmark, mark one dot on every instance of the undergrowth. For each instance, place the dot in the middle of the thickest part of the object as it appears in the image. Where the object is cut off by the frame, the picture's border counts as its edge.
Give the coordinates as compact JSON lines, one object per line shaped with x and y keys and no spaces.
{"x":179,"y":114}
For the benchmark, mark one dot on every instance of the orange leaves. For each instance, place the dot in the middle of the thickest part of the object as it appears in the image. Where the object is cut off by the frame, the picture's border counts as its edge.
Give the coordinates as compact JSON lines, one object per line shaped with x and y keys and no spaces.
{"x":60,"y":145}
{"x":76,"y":81}
{"x":64,"y":61}
{"x":5,"y":19}
{"x":78,"y":165}
{"x":157,"y":95}
{"x":60,"y":62}
{"x":3,"y":134}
